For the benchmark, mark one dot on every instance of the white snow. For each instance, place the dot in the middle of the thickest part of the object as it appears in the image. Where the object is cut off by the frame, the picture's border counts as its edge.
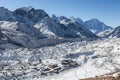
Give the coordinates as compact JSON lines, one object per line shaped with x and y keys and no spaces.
{"x":94,"y":57}
{"x":86,"y":71}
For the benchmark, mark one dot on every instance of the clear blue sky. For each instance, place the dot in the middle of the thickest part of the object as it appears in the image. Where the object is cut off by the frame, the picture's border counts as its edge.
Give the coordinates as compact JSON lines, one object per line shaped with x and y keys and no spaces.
{"x":107,"y":11}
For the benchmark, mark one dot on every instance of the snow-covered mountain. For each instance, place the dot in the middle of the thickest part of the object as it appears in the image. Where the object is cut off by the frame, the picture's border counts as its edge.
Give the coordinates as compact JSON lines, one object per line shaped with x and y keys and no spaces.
{"x":72,"y":28}
{"x":25,"y":27}
{"x":39,"y":20}
{"x":115,"y":33}
{"x":53,"y":26}
{"x":96,"y":26}
{"x":63,"y":27}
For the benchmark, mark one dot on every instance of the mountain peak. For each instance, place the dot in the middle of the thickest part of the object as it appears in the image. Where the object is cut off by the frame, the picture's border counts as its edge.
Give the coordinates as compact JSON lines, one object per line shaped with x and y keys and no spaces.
{"x":77,"y":20}
{"x":96,"y":26}
{"x":95,"y":20}
{"x":64,"y":19}
{"x":55,"y":18}
{"x":30,"y":15}
{"x":26,"y":8}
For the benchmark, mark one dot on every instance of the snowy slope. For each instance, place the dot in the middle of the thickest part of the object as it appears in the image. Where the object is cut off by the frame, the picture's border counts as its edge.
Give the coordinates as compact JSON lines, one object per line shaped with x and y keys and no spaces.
{"x":21,"y":27}
{"x":115,"y":33}
{"x":96,"y":26}
{"x":49,"y":28}
{"x":104,"y":34}
{"x":20,"y":39}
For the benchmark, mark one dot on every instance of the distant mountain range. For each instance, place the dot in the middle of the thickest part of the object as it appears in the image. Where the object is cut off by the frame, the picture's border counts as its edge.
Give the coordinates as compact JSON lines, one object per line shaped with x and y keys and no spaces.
{"x":37,"y":24}
{"x":95,"y":26}
{"x":46,"y":25}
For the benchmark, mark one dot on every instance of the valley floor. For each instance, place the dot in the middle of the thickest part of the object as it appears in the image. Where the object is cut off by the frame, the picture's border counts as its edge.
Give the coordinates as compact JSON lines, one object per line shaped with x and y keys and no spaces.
{"x":64,"y":61}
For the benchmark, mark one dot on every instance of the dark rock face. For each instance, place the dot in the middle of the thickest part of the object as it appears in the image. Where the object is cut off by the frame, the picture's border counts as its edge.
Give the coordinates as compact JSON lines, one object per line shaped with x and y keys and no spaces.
{"x":30,"y":15}
{"x":6,"y":15}
{"x":69,"y":63}
{"x":51,"y":69}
